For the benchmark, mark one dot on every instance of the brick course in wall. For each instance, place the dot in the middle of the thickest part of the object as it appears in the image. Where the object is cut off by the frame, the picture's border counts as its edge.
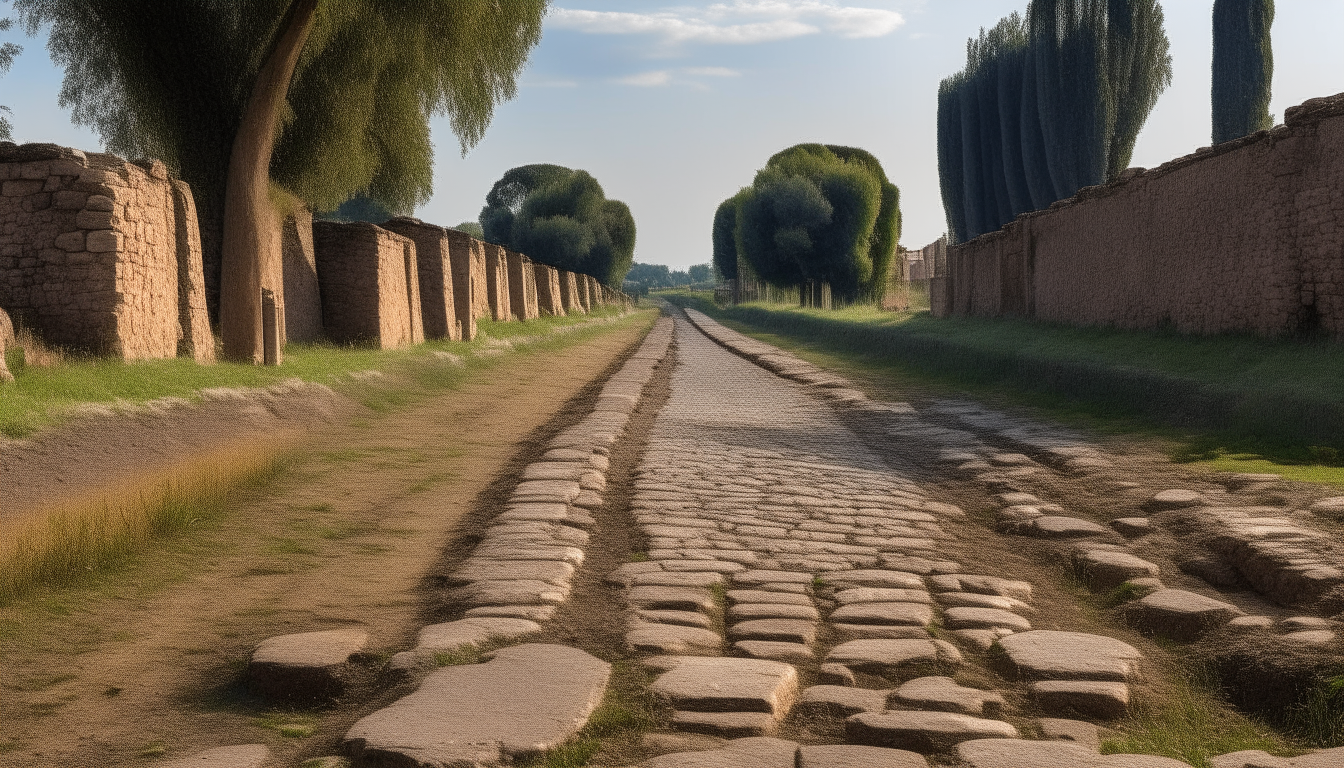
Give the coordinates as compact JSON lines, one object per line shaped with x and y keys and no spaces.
{"x":369,"y":285}
{"x":549,"y":301}
{"x":1247,"y":236}
{"x":434,"y":262}
{"x":91,"y":256}
{"x":497,"y":281}
{"x":522,"y":287}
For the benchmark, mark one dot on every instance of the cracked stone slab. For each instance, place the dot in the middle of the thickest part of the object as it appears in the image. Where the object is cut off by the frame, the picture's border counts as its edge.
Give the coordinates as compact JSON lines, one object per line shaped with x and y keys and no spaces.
{"x":901,"y":614}
{"x":1094,"y":698}
{"x":525,"y":700}
{"x":1179,"y":615}
{"x":717,"y":684}
{"x":236,"y":756}
{"x":1053,"y":655}
{"x":1019,"y":753}
{"x":857,"y":756}
{"x":885,"y":656}
{"x":943,"y":694}
{"x":304,"y":667}
{"x":922,"y":731}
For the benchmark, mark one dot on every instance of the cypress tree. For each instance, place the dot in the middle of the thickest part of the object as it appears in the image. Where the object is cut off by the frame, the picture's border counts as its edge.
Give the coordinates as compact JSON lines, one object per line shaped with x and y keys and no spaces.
{"x":725,"y":237}
{"x":951,"y":181}
{"x":1243,"y":67}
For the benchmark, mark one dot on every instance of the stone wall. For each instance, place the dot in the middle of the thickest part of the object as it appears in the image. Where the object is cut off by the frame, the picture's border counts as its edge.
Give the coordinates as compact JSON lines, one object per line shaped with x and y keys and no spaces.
{"x":522,"y":287}
{"x":549,"y":301}
{"x":369,"y":283}
{"x":434,"y":262}
{"x":300,"y":297}
{"x":497,"y":281}
{"x":467,"y":255}
{"x":569,"y":293}
{"x":100,"y":255}
{"x":1247,"y":236}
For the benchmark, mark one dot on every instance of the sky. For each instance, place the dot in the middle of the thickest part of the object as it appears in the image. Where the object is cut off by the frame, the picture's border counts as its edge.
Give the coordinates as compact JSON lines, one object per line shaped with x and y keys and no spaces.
{"x":674,"y":107}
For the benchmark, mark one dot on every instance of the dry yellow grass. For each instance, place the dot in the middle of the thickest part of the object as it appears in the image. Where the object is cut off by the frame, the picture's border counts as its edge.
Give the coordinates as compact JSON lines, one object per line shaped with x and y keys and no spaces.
{"x":75,"y":539}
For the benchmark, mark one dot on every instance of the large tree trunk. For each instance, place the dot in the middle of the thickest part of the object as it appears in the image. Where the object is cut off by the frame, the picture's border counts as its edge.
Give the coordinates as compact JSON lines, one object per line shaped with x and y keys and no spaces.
{"x":248,"y":219}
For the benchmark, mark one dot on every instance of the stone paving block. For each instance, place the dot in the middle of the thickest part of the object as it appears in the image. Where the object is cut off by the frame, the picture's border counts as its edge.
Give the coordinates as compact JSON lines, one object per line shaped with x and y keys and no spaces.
{"x":920,"y":565}
{"x":547,"y":491}
{"x":745,"y":611}
{"x":1081,"y":733}
{"x":942,"y":694}
{"x":1331,"y":508}
{"x":1132,"y":527}
{"x":1053,"y":655}
{"x":726,"y":724}
{"x":503,"y":551}
{"x":782,"y":630}
{"x":752,"y":752}
{"x":517,"y":592}
{"x":1175,"y":498}
{"x":983,"y":618}
{"x":481,"y":569}
{"x":739,"y":596}
{"x":873,"y":578}
{"x":847,"y":632}
{"x":789,"y":653}
{"x":881,"y":595}
{"x":835,"y":674}
{"x":1094,"y":698}
{"x":908,"y":614}
{"x":304,"y":667}
{"x":1313,"y":637}
{"x":770,"y":577}
{"x":887,"y":656}
{"x":718,"y":566}
{"x":841,"y":701}
{"x":1061,"y":527}
{"x":672,"y":638}
{"x":471,"y":712}
{"x":684,"y":579}
{"x":685,"y":618}
{"x":984,"y":585}
{"x":472,"y":631}
{"x":1019,"y":753}
{"x":979,"y":639}
{"x":1104,"y":570}
{"x":529,"y":612}
{"x":1179,"y":615}
{"x":922,"y":731}
{"x":671,"y":598}
{"x":857,"y":756}
{"x":973,"y":600}
{"x":237,"y":756}
{"x":706,"y":684}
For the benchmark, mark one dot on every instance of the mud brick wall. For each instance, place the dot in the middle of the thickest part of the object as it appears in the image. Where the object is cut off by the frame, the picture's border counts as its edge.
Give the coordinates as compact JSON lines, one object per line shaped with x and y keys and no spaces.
{"x":549,"y":301}
{"x":100,"y":255}
{"x":497,"y":281}
{"x":522,"y":286}
{"x":585,"y":289}
{"x":466,"y":256}
{"x":300,"y":296}
{"x":434,"y":261}
{"x":1247,"y":236}
{"x":369,"y":285}
{"x":569,"y":293}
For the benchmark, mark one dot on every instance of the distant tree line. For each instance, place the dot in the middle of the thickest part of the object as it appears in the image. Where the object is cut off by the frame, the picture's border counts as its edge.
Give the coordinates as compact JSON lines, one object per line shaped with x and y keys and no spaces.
{"x":1046,"y":105}
{"x":816,"y":212}
{"x":648,"y":276}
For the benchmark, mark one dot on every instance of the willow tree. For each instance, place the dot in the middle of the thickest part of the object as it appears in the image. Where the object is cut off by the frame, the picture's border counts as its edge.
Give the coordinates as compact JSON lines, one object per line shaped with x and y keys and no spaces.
{"x":325,"y":99}
{"x":7,"y":53}
{"x":1243,"y":67}
{"x":561,"y":217}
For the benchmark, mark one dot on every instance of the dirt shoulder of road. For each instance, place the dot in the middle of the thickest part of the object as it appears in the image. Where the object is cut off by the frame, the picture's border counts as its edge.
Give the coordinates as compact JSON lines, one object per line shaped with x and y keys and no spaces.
{"x":148,"y":660}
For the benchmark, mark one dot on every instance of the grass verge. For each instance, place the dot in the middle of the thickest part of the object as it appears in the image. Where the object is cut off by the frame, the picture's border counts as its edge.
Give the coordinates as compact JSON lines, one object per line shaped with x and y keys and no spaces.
{"x":1227,"y":400}
{"x":42,"y":395}
{"x":73,"y":542}
{"x":627,"y":711}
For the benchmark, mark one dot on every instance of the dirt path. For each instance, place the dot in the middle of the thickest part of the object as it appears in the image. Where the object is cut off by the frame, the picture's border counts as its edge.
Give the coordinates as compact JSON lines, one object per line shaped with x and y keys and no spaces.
{"x":150,"y":660}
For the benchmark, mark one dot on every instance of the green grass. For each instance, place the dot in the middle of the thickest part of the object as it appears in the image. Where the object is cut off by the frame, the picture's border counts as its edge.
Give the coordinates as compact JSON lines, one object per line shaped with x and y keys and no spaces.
{"x":1279,"y":401}
{"x":291,"y":725}
{"x":627,"y":711}
{"x":44,"y":395}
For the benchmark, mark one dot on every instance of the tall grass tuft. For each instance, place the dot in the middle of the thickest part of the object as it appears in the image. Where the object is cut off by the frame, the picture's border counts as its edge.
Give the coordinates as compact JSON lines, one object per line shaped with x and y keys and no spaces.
{"x":74,"y":541}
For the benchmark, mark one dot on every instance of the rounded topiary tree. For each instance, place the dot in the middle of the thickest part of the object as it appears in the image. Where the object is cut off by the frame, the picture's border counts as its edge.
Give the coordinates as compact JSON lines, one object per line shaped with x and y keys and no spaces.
{"x":561,"y":217}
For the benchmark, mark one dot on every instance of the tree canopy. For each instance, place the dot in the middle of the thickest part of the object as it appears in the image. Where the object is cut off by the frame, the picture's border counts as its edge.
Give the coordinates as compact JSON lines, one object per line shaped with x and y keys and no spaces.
{"x":1243,"y":67}
{"x":171,"y":79}
{"x":7,"y":53}
{"x":816,"y":212}
{"x":560,"y":216}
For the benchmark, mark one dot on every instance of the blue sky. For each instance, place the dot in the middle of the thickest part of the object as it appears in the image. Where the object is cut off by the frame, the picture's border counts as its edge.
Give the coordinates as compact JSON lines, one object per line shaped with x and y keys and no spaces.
{"x":673,"y":107}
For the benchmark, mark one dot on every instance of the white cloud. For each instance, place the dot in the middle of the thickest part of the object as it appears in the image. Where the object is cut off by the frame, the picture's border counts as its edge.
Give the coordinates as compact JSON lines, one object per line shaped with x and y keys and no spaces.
{"x":647,"y":79}
{"x":741,"y":22}
{"x":712,"y":71}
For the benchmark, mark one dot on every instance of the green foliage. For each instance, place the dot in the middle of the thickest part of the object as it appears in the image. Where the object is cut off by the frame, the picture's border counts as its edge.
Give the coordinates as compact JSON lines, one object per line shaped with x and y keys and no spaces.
{"x":7,"y":53}
{"x":1046,"y":105}
{"x":471,"y":228}
{"x":660,"y":276}
{"x":699,"y":273}
{"x":170,"y":78}
{"x":561,"y":217}
{"x":725,"y":236}
{"x":817,"y":212}
{"x":361,"y":207}
{"x":1243,"y":67}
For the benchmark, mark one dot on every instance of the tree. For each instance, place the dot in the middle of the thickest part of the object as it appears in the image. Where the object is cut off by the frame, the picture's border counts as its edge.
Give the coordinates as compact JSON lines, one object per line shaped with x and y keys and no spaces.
{"x":325,"y":98}
{"x":699,"y":273}
{"x":560,"y":216}
{"x":724,"y":236}
{"x":7,"y":53}
{"x":471,"y":228}
{"x":820,"y":212}
{"x":1243,"y":67}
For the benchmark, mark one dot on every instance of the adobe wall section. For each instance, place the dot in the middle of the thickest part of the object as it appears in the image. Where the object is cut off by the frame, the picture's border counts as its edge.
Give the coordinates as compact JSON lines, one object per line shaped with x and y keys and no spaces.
{"x":302,"y":300}
{"x":497,"y":281}
{"x":369,"y":285}
{"x":549,"y":301}
{"x":522,"y":287}
{"x":1247,"y":236}
{"x":434,"y":261}
{"x":467,"y":256}
{"x":569,"y":293}
{"x":92,"y":257}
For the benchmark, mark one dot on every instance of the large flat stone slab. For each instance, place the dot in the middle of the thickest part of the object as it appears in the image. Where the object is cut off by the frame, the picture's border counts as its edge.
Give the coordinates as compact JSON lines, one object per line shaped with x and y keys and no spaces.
{"x":789,"y":653}
{"x":671,"y":598}
{"x":841,"y":701}
{"x":472,"y":631}
{"x":550,"y":571}
{"x":983,"y":585}
{"x":1179,"y":615}
{"x":304,"y":668}
{"x":984,"y":618}
{"x":873,"y":578}
{"x":527,"y":699}
{"x":710,"y":684}
{"x":753,"y":752}
{"x":887,"y":656}
{"x":1018,"y":753}
{"x":881,"y":595}
{"x":513,"y":592}
{"x":922,"y":731}
{"x":1052,"y":655}
{"x":973,"y":600}
{"x":782,"y":630}
{"x":1095,"y":698}
{"x":857,"y":756}
{"x":748,"y":611}
{"x":729,"y":725}
{"x":1103,"y":569}
{"x":738,"y":596}
{"x":898,"y":614}
{"x":942,"y":694}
